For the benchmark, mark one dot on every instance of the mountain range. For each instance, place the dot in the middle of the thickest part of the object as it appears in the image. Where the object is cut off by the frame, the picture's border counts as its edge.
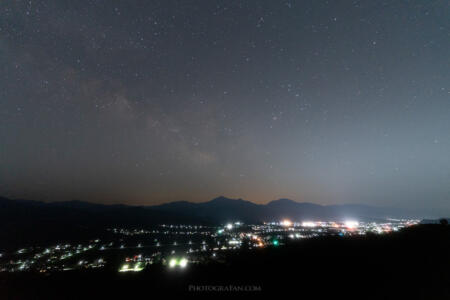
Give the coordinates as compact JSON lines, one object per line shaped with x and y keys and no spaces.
{"x":222,"y":209}
{"x":19,"y":218}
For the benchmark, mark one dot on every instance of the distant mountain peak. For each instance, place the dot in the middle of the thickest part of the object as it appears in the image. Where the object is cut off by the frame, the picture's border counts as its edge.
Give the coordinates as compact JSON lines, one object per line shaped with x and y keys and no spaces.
{"x":283,"y":200}
{"x":224,"y":199}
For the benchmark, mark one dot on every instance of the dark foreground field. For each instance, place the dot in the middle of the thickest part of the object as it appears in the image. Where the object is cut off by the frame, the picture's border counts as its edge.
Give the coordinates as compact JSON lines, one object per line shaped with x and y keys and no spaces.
{"x":414,"y":263}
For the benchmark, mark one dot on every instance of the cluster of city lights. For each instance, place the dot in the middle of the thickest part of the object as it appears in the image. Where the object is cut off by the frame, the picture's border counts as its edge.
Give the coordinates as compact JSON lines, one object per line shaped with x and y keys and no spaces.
{"x":191,"y":244}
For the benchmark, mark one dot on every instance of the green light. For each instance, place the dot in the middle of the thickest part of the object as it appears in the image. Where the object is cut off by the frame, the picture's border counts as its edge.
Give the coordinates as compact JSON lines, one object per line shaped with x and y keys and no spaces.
{"x":138,"y":267}
{"x":276,"y":243}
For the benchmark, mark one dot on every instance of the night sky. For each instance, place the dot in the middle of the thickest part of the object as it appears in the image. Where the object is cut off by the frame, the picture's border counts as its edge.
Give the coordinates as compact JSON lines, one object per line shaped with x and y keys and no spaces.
{"x":145,"y":102}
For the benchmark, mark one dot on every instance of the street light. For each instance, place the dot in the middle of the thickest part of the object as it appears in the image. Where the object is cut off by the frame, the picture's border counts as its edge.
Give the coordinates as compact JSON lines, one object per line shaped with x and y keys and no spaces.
{"x":172,"y":263}
{"x":183,"y":262}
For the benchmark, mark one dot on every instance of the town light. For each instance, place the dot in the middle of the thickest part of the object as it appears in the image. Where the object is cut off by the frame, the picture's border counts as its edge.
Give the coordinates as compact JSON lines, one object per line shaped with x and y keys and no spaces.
{"x":286,"y":223}
{"x":172,"y":263}
{"x":308,"y":224}
{"x":183,"y":262}
{"x":351,"y":224}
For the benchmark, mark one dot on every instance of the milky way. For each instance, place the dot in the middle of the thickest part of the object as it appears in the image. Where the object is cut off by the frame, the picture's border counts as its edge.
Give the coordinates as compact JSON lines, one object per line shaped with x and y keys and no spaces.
{"x":143,"y":102}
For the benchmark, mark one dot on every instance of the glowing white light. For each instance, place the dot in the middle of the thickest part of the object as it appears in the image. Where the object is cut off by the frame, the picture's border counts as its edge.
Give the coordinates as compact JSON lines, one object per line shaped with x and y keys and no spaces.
{"x":172,"y":262}
{"x":124,"y":268}
{"x":229,"y":226}
{"x":308,"y":224}
{"x":183,"y":262}
{"x":351,"y":224}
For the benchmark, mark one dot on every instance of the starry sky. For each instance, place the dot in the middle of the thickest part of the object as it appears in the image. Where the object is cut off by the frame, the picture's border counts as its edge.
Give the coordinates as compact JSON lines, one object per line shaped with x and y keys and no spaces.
{"x":145,"y":102}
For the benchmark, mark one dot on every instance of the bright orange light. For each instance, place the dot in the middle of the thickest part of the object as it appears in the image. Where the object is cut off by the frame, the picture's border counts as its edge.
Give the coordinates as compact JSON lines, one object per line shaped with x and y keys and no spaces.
{"x":286,"y":223}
